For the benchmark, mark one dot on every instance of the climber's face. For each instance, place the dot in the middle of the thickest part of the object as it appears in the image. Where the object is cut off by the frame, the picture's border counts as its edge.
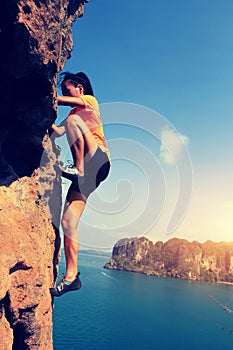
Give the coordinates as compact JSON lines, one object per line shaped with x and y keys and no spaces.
{"x":70,"y":88}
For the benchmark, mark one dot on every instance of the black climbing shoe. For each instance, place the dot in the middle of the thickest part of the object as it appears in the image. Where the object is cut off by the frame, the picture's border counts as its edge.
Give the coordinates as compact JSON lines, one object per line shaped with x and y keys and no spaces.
{"x":65,"y":286}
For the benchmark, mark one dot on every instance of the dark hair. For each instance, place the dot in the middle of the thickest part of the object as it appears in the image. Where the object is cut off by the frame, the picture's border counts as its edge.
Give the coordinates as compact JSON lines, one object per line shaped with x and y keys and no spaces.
{"x":78,"y":78}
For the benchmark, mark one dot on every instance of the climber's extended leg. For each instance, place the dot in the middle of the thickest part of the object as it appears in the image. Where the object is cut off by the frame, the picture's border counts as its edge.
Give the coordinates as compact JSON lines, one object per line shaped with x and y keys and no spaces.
{"x":72,"y":212}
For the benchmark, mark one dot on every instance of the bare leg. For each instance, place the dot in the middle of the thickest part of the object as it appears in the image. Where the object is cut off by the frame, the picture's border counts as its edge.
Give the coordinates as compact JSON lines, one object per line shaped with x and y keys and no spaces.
{"x":81,"y":141}
{"x":83,"y":146}
{"x":71,"y":253}
{"x":72,"y":213}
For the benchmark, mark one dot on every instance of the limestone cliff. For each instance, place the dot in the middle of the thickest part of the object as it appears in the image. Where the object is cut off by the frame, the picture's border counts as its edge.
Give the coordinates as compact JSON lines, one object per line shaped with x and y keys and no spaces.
{"x":176,"y":258}
{"x":36,"y":40}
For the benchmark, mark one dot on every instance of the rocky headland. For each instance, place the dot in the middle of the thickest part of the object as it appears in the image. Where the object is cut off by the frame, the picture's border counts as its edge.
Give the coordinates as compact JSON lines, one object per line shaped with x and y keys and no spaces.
{"x":177,"y":258}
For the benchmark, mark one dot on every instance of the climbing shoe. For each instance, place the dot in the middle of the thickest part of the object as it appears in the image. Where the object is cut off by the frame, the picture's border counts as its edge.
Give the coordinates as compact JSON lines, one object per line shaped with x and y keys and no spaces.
{"x":65,"y":286}
{"x":70,"y":172}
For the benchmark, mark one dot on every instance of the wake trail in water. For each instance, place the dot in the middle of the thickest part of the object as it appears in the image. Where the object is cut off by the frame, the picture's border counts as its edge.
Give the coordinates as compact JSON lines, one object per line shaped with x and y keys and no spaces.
{"x":106,"y":275}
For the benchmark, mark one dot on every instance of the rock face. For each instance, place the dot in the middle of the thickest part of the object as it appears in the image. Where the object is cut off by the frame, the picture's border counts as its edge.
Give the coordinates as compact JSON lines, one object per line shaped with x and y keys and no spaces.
{"x":36,"y":40}
{"x":176,"y":258}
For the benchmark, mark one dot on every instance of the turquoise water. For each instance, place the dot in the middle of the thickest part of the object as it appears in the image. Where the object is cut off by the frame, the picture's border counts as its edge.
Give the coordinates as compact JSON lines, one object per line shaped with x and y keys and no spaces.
{"x":124,"y":310}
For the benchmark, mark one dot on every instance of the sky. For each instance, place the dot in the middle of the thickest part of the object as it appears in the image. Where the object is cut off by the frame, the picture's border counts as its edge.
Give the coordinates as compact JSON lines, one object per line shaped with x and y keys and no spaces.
{"x":162,"y":72}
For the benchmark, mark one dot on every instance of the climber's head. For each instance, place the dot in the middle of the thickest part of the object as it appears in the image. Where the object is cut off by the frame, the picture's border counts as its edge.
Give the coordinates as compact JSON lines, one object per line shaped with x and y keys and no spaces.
{"x":75,"y":84}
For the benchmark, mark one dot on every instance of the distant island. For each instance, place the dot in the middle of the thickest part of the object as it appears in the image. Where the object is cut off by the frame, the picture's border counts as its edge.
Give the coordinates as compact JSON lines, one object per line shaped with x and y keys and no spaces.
{"x":177,"y":258}
{"x":95,"y":252}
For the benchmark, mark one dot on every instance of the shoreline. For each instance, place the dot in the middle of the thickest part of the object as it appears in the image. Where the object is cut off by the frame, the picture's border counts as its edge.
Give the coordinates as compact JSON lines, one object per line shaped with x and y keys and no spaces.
{"x":106,"y":266}
{"x":229,"y":283}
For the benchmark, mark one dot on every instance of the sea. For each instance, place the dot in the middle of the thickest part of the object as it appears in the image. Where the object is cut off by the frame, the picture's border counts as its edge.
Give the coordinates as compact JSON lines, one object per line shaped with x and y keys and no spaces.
{"x":125,"y":310}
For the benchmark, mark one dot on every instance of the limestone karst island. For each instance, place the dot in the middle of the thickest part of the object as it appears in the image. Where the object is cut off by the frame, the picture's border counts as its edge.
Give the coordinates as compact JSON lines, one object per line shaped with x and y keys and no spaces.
{"x":177,"y":258}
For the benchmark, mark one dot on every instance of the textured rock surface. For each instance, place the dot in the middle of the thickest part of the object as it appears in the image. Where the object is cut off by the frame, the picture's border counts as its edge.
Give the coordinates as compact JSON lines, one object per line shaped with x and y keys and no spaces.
{"x":177,"y":258}
{"x":29,"y":245}
{"x":36,"y":40}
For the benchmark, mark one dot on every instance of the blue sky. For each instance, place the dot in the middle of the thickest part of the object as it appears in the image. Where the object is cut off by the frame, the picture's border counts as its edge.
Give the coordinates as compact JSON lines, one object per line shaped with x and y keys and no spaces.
{"x":175,"y":58}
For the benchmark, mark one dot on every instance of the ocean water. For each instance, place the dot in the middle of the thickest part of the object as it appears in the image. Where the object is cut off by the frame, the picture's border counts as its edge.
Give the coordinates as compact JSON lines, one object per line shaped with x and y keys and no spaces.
{"x":124,"y":310}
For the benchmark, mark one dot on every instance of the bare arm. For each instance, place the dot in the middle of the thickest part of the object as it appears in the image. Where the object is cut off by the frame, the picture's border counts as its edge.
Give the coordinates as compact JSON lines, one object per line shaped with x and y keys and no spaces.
{"x":70,"y":101}
{"x":58,"y":130}
{"x":66,"y":101}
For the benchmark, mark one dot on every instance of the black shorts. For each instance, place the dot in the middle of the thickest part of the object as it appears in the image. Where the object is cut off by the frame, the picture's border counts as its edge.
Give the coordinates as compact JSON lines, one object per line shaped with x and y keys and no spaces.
{"x":96,"y":171}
